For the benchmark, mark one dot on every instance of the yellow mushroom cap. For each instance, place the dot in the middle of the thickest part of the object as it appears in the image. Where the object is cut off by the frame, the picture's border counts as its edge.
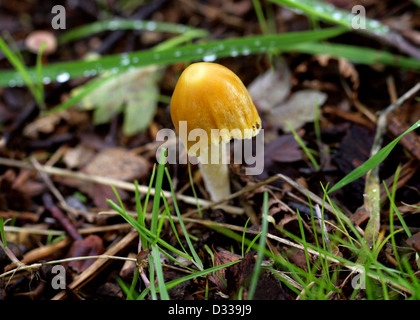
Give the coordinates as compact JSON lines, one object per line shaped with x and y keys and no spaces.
{"x":210,"y":96}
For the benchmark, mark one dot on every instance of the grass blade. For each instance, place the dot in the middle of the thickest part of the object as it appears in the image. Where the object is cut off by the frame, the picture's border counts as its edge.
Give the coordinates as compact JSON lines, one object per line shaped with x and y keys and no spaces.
{"x":123,"y":24}
{"x":260,"y":255}
{"x":3,"y":236}
{"x":358,"y":54}
{"x":372,"y":162}
{"x":149,"y":236}
{"x":328,"y":12}
{"x":159,"y":273}
{"x":190,"y":52}
{"x":158,"y":188}
{"x":303,"y":146}
{"x":23,"y":74}
{"x":173,"y":283}
{"x":181,"y":223}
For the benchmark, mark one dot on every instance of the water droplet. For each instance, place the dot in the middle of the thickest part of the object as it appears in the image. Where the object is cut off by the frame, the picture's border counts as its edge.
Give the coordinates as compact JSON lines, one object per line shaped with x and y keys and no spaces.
{"x":246,"y":51}
{"x":178,"y":53}
{"x":319,"y":9}
{"x":374,"y":23}
{"x":63,"y":77}
{"x":181,"y":29}
{"x":210,"y":57}
{"x":125,"y":60}
{"x":99,"y":67}
{"x":156,"y":56}
{"x":12,"y":83}
{"x":113,"y":25}
{"x":337,"y":15}
{"x":234,"y":53}
{"x":90,"y":73}
{"x":46,"y":80}
{"x":138,"y":24}
{"x":200,"y":50}
{"x":257,"y":43}
{"x":151,"y":25}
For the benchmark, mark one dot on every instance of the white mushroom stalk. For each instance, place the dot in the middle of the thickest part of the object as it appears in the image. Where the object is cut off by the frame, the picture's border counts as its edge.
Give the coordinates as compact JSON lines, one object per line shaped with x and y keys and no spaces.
{"x":213,"y":164}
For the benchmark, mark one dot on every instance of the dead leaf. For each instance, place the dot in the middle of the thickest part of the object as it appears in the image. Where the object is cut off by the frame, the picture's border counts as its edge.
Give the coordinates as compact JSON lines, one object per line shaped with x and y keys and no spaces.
{"x":290,"y":222}
{"x":284,"y":148}
{"x":297,"y":257}
{"x":298,"y":110}
{"x":114,"y":163}
{"x":78,"y":156}
{"x":46,"y":124}
{"x":90,"y":246}
{"x":414,"y":241}
{"x":345,"y":68}
{"x":42,"y":124}
{"x":272,"y":87}
{"x":360,"y":217}
{"x":117,"y":163}
{"x":229,"y":279}
{"x":133,"y":92}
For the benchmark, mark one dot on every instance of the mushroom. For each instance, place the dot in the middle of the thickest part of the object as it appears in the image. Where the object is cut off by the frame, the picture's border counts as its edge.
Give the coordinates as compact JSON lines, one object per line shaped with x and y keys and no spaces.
{"x":212,"y":102}
{"x":35,"y":39}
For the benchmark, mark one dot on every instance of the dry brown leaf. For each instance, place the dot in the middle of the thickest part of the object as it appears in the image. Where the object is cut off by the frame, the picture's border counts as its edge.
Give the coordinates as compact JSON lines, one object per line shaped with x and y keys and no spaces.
{"x":117,"y":163}
{"x":271,"y":88}
{"x":414,"y":241}
{"x":298,"y":110}
{"x":78,"y":156}
{"x":284,"y":148}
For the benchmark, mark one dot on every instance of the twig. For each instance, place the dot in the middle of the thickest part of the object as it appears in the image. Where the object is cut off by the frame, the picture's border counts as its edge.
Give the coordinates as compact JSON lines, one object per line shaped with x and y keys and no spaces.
{"x":51,"y":186}
{"x":60,"y":217}
{"x":86,"y":275}
{"x":11,"y":255}
{"x":116,"y":183}
{"x":36,"y":266}
{"x":372,"y":188}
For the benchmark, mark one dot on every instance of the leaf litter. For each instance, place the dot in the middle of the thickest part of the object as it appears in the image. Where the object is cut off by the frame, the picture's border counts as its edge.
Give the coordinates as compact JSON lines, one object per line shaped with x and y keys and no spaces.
{"x":111,"y":134}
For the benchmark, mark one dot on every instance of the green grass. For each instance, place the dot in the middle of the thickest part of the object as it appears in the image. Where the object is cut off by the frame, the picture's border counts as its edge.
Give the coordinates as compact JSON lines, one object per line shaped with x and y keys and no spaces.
{"x":373,"y":162}
{"x":330,"y":273}
{"x":151,"y":238}
{"x":328,"y":12}
{"x":325,"y":276}
{"x":210,"y":50}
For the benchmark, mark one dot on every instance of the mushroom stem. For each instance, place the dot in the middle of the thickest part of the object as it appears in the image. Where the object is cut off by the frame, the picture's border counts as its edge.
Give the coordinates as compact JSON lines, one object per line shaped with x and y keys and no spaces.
{"x":213,"y":164}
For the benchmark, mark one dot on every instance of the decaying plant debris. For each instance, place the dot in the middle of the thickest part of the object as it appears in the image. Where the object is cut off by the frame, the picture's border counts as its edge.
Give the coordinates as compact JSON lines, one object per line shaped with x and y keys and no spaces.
{"x":323,"y":116}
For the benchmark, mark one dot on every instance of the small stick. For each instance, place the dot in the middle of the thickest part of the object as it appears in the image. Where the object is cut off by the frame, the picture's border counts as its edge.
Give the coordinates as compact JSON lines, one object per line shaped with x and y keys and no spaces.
{"x":61,"y":217}
{"x":116,"y":183}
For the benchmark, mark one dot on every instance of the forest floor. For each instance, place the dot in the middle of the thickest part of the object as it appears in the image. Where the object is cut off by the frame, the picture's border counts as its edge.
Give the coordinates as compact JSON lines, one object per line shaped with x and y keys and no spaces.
{"x":327,"y":106}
